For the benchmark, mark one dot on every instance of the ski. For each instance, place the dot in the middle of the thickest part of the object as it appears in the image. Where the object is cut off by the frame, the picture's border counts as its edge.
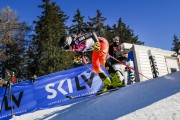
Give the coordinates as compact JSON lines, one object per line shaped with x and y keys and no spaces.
{"x":108,"y":91}
{"x":98,"y":93}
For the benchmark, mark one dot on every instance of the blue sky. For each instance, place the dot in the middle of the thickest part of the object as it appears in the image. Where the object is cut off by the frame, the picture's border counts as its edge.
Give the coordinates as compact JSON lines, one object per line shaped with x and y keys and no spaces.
{"x":154,"y":21}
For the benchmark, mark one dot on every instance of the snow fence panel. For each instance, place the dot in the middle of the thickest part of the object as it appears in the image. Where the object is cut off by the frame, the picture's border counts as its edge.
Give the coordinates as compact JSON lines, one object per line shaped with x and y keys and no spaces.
{"x":53,"y":89}
{"x":23,"y":100}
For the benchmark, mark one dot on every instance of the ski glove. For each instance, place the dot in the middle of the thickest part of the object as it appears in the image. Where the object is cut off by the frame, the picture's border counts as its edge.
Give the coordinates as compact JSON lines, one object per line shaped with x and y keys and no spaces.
{"x":77,"y":59}
{"x":96,"y":46}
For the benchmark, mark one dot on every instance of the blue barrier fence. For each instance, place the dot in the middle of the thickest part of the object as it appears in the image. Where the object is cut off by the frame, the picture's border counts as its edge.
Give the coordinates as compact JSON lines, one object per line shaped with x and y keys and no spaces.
{"x":50,"y":91}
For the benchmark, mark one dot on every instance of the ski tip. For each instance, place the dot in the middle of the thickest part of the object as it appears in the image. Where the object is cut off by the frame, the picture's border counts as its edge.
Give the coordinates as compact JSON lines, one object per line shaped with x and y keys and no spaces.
{"x":69,"y":97}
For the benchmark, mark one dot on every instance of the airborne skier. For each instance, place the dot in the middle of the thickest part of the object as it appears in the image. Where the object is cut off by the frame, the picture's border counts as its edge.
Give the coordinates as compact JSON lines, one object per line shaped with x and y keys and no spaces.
{"x":90,"y":42}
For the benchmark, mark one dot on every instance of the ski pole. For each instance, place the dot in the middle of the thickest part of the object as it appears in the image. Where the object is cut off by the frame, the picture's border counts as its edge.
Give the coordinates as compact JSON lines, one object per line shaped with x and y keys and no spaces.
{"x":10,"y":91}
{"x":91,"y":69}
{"x":70,"y":97}
{"x":3,"y":97}
{"x":125,"y":64}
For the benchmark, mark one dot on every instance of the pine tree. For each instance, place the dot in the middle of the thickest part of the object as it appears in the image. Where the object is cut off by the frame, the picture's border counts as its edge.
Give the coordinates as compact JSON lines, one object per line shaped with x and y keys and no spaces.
{"x":176,"y":44}
{"x":46,"y":56}
{"x":125,"y":33}
{"x":81,"y":26}
{"x":108,"y":33}
{"x":97,"y":23}
{"x":13,"y":40}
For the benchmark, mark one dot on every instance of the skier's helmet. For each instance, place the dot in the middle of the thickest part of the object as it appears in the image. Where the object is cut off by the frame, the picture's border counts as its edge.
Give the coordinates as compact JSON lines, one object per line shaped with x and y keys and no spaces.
{"x":65,"y":42}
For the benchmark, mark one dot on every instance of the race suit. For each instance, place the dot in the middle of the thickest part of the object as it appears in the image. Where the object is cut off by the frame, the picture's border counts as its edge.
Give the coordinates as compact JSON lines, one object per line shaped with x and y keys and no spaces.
{"x":87,"y":42}
{"x":98,"y":57}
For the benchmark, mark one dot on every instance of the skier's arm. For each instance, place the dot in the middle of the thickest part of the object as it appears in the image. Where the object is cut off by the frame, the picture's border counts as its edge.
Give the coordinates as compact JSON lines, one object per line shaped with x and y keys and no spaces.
{"x":123,"y":56}
{"x":96,"y":44}
{"x":83,"y":38}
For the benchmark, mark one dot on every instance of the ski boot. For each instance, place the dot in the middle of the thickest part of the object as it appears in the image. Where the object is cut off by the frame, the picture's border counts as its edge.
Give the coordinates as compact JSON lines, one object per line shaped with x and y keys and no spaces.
{"x":116,"y":82}
{"x":107,"y":82}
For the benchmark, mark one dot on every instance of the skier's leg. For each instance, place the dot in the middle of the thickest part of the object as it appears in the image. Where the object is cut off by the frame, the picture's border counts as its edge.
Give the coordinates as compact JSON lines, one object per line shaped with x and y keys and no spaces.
{"x":124,"y":73}
{"x":96,"y":66}
{"x":120,"y":75}
{"x":117,"y":76}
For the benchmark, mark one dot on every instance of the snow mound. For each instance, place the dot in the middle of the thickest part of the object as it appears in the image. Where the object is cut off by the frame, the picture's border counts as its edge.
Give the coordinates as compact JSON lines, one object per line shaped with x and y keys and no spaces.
{"x":153,"y":99}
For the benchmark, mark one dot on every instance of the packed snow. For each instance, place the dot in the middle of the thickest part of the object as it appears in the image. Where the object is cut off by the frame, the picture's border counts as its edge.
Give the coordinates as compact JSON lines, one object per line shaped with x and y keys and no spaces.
{"x":155,"y":99}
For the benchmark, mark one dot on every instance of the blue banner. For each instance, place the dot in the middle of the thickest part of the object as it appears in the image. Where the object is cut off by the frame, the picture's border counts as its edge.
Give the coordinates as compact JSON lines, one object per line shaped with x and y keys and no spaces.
{"x":23,"y":100}
{"x":50,"y":91}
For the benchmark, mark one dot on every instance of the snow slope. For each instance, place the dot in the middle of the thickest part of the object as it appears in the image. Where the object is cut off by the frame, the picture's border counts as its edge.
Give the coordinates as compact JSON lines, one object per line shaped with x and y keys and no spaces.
{"x":156,"y":99}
